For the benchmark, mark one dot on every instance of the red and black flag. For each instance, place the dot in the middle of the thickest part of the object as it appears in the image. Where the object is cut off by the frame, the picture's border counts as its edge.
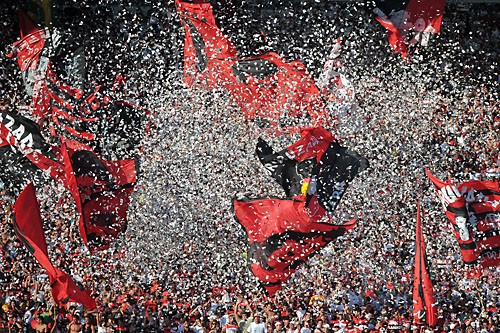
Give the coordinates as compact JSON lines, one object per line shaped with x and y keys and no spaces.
{"x":89,"y":127}
{"x":101,"y":190}
{"x":472,"y":207}
{"x":90,"y":117}
{"x":269,"y":88}
{"x":292,"y":167}
{"x":424,"y":303}
{"x":29,"y":48}
{"x":420,"y":17}
{"x":24,"y":135}
{"x":206,"y":48}
{"x":33,"y":52}
{"x":265,"y":87}
{"x":29,"y":229}
{"x":314,"y":166}
{"x":282,"y":234}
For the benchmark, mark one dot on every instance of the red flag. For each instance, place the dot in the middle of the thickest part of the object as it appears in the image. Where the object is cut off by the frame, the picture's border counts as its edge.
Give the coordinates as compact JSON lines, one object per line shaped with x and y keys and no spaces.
{"x":268,"y":87}
{"x":265,"y":86}
{"x":206,"y":48}
{"x":29,"y":229}
{"x":282,"y":235}
{"x":423,"y":16}
{"x":29,"y":47}
{"x":394,"y":36}
{"x":424,"y":303}
{"x":101,"y":190}
{"x":28,"y":51}
{"x":313,"y":143}
{"x":65,"y":290}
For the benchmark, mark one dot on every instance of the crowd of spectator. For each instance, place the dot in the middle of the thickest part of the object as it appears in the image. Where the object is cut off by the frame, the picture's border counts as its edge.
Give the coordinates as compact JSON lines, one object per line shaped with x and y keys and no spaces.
{"x":182,"y":267}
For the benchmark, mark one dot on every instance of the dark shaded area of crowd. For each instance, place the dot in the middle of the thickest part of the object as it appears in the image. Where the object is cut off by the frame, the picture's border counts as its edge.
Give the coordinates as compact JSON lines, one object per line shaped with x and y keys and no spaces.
{"x":340,"y":290}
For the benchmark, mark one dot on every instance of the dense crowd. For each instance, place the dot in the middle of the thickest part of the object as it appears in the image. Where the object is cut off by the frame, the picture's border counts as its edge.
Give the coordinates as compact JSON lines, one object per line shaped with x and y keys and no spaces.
{"x":182,"y":264}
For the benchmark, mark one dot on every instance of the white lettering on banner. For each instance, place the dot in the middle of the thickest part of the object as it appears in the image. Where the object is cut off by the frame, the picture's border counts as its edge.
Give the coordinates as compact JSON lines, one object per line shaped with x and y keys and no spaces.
{"x":471,"y":195}
{"x":27,"y":141}
{"x":301,"y":150}
{"x":18,"y":133}
{"x":492,"y":255}
{"x":271,"y":167}
{"x":419,"y":25}
{"x":338,"y":190}
{"x":10,"y":120}
{"x":492,"y":220}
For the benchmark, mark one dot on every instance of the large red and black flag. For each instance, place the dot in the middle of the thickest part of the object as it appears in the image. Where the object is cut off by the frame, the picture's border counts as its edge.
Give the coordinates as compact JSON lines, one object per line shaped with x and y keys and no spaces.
{"x":269,"y":88}
{"x":424,"y":302}
{"x":265,"y":87}
{"x":99,"y":124}
{"x":101,"y":190}
{"x":473,"y":210}
{"x":282,"y":234}
{"x":409,"y":21}
{"x":29,"y":229}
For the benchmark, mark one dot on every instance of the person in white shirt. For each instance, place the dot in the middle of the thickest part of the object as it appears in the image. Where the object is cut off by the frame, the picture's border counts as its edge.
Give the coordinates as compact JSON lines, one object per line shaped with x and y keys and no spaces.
{"x":336,"y":89}
{"x":257,"y":326}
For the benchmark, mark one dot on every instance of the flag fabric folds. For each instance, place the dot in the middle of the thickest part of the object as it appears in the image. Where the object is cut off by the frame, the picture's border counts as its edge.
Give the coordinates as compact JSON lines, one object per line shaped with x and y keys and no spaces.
{"x":265,"y":87}
{"x":29,"y":47}
{"x":424,"y":303}
{"x":282,"y":235}
{"x":474,"y":213}
{"x":101,"y":190}
{"x":29,"y":229}
{"x":206,"y":48}
{"x":292,"y":167}
{"x":316,"y":167}
{"x":100,"y":129}
{"x":394,"y":37}
{"x":91,"y":117}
